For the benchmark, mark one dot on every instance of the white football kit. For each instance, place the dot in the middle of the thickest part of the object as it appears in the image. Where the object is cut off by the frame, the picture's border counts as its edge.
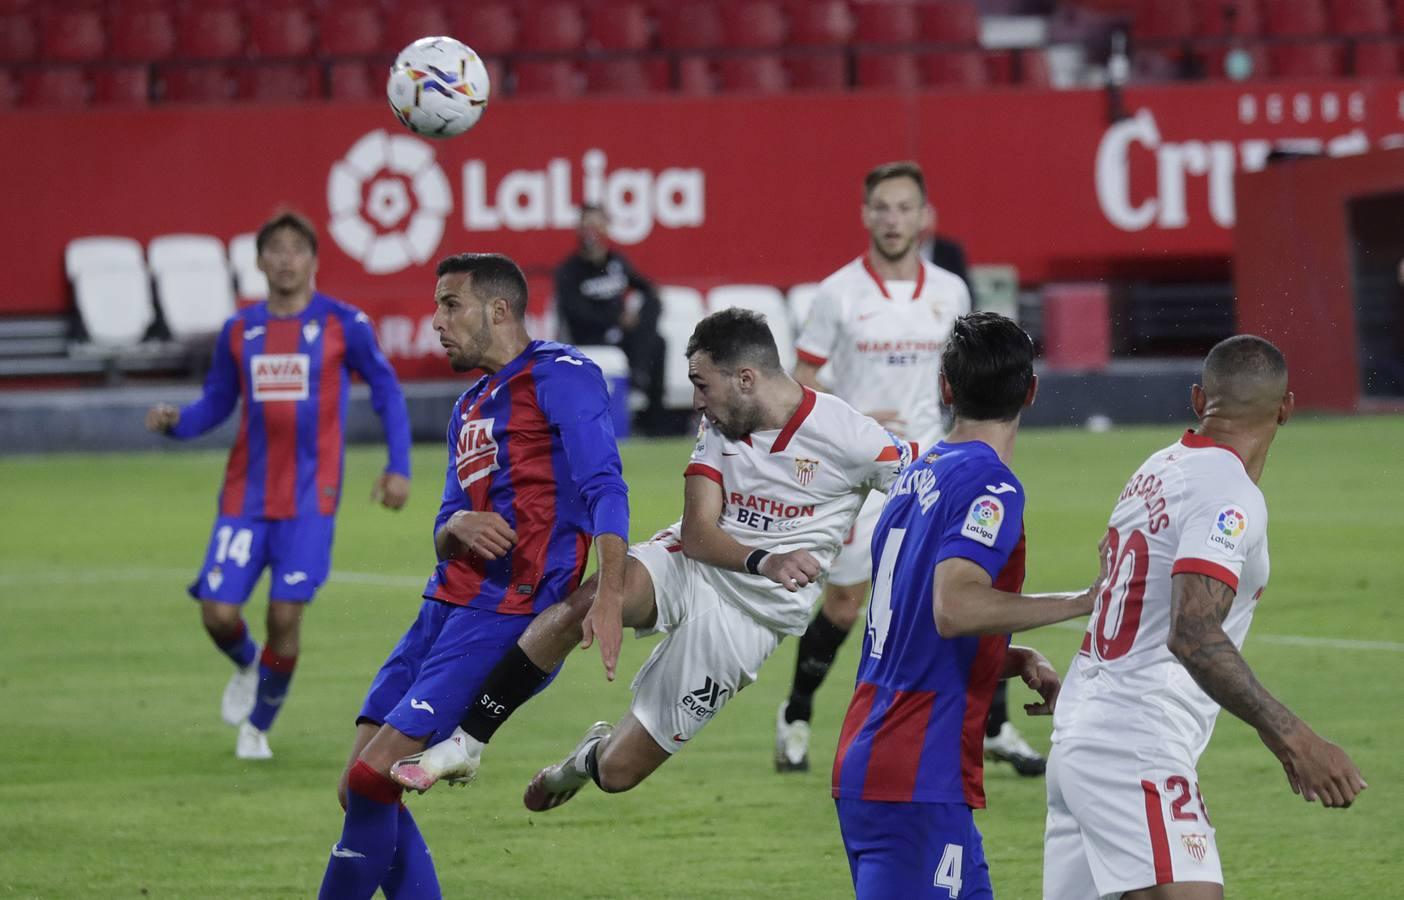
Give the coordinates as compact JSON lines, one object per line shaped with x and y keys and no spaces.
{"x":882,"y":342}
{"x":798,"y":487}
{"x":1124,"y":806}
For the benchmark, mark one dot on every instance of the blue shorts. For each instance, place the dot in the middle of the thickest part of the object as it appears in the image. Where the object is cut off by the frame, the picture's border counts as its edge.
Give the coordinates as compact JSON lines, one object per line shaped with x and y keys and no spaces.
{"x":902,"y":850}
{"x":298,"y":551}
{"x":433,"y":675}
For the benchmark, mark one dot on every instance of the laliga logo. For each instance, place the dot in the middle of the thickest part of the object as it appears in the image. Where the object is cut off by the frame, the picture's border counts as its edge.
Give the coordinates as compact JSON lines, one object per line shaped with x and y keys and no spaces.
{"x":381,"y":226}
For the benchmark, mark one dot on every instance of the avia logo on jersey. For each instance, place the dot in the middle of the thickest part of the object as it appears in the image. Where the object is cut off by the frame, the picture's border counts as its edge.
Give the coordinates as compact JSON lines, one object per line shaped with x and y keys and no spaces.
{"x":1228,"y":528}
{"x":703,"y":702}
{"x":477,"y":451}
{"x":805,"y":469}
{"x":280,"y":376}
{"x":983,"y":521}
{"x":922,"y":483}
{"x":764,"y":513}
{"x":1196,"y":845}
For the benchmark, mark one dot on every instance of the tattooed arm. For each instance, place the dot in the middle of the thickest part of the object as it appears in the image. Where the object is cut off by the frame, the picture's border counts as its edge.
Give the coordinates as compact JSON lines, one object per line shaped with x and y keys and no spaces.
{"x":1316,"y":768}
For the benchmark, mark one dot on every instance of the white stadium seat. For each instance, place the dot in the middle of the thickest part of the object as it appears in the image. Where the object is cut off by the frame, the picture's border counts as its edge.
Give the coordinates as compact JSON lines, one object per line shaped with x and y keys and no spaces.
{"x":186,"y":251}
{"x":801,"y":298}
{"x":682,"y":310}
{"x":249,"y":282}
{"x":90,"y":254}
{"x":767,"y":301}
{"x":115,"y":305}
{"x":193,"y":286}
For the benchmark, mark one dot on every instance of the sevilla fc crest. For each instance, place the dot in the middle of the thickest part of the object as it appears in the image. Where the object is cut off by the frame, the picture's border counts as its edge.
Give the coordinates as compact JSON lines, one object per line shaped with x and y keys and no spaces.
{"x":805,"y":469}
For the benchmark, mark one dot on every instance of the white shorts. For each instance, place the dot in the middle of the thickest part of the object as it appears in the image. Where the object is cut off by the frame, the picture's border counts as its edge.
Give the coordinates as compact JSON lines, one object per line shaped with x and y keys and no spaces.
{"x":1120,"y":820}
{"x":711,"y":650}
{"x":854,"y":563}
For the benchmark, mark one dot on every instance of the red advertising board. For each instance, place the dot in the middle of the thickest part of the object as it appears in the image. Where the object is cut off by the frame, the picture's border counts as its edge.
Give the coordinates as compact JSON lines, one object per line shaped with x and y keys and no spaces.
{"x":700,"y":191}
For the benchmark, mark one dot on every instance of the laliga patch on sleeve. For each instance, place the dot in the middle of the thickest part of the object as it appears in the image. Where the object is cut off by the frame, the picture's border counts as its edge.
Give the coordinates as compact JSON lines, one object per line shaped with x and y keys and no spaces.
{"x":983,"y":521}
{"x":1227,"y":531}
{"x":701,"y":446}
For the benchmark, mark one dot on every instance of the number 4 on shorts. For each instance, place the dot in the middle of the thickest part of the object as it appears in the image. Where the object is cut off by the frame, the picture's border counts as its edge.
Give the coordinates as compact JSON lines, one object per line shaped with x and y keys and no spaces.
{"x":948,"y":869}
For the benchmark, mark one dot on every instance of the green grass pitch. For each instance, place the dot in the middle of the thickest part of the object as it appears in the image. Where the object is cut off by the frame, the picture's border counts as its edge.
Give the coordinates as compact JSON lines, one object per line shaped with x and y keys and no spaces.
{"x":117,"y":778}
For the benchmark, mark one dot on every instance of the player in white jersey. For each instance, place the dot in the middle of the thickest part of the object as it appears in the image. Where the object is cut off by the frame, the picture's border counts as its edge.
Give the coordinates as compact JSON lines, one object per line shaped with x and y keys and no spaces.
{"x":775,"y":480}
{"x":1189,"y":559}
{"x":877,"y":327}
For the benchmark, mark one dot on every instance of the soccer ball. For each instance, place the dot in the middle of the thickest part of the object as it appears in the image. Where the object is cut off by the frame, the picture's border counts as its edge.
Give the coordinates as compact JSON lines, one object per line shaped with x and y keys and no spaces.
{"x":438,"y":87}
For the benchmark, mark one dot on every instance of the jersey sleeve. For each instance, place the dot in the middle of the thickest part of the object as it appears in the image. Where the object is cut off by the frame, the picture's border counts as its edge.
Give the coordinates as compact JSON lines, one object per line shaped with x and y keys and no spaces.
{"x":220,"y":394}
{"x":573,"y":395}
{"x":453,"y":498}
{"x":883,"y":455}
{"x":985,"y":525}
{"x":365,"y":359}
{"x":820,"y":332}
{"x":1217,"y":528}
{"x":706,"y":453}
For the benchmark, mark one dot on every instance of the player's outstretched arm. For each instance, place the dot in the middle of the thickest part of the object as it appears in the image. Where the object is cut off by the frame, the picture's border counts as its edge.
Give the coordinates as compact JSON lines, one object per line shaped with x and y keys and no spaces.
{"x":605,"y":621}
{"x":964,"y":602}
{"x":1316,"y":768}
{"x":705,"y":541}
{"x":1031,"y":667}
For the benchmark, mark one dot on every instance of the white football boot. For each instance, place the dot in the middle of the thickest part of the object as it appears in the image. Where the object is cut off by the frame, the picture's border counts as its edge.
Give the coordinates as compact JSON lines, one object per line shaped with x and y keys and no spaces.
{"x":239,"y":695}
{"x":252,"y":743}
{"x":454,"y":759}
{"x":556,"y":784}
{"x":791,"y":743}
{"x":1009,"y":746}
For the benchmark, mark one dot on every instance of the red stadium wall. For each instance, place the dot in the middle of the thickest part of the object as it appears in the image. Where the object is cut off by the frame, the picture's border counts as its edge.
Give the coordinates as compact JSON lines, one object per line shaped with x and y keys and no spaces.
{"x":701,"y":190}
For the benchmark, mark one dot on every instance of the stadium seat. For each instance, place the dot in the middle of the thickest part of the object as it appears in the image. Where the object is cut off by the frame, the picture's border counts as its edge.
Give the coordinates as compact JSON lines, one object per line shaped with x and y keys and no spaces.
{"x":1359,"y":17}
{"x":355,"y":80}
{"x":820,"y":23}
{"x":9,"y":90}
{"x":1294,"y":18}
{"x":625,"y":76}
{"x":19,"y":39}
{"x":546,"y":78}
{"x":767,"y":301}
{"x":888,"y":69}
{"x":620,"y":26}
{"x":142,"y":35}
{"x":185,"y":251}
{"x":885,"y":23}
{"x":799,"y":299}
{"x":279,"y":82}
{"x":1162,"y":20}
{"x":682,"y":309}
{"x":1228,"y":18}
{"x":128,"y":85}
{"x":406,"y":23}
{"x":91,"y":254}
{"x":73,"y":36}
{"x":193,"y":288}
{"x":249,"y":282}
{"x":696,"y":76}
{"x":1399,"y":16}
{"x":285,"y":33}
{"x":551,"y":28}
{"x":825,"y":71}
{"x":690,"y":26}
{"x":961,"y":68}
{"x":211,"y":33}
{"x":346,"y":30}
{"x":1033,"y":68}
{"x":493,"y":27}
{"x":753,"y":74}
{"x":1214,"y":60}
{"x":1314,"y":60}
{"x":1377,"y":59}
{"x":949,"y":22}
{"x":758,"y":24}
{"x":114,"y":305}
{"x":195,"y":84}
{"x":54,"y":87}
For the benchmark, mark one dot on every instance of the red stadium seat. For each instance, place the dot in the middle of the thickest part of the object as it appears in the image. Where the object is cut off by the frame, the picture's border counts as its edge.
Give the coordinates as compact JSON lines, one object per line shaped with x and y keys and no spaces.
{"x":280,"y":82}
{"x":962,"y":68}
{"x":355,"y":80}
{"x":552,"y":27}
{"x":122,"y":85}
{"x":885,"y":23}
{"x":19,"y":38}
{"x":626,"y":76}
{"x":1033,"y":70}
{"x":491,"y":28}
{"x":753,"y":24}
{"x":73,"y":36}
{"x":211,"y":33}
{"x":696,"y":76}
{"x":9,"y":90}
{"x":949,"y":22}
{"x":1229,"y":18}
{"x":1162,"y":20}
{"x":54,"y":87}
{"x":1315,"y":60}
{"x":349,"y":30}
{"x":620,"y":26}
{"x":753,"y":74}
{"x":889,"y":70}
{"x":1377,"y":59}
{"x":406,"y":23}
{"x":820,"y":23}
{"x":196,"y":84}
{"x":142,"y":35}
{"x":1399,"y":15}
{"x":1214,"y":60}
{"x":818,"y":71}
{"x":546,"y":78}
{"x":690,"y":26}
{"x":280,"y":33}
{"x":1359,"y":17}
{"x":1295,"y":18}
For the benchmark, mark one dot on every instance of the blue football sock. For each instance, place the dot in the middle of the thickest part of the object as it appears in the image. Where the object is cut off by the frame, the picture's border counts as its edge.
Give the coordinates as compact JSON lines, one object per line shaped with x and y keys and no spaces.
{"x":238,"y":646}
{"x":412,"y":875}
{"x":361,"y":860}
{"x":274,"y":675}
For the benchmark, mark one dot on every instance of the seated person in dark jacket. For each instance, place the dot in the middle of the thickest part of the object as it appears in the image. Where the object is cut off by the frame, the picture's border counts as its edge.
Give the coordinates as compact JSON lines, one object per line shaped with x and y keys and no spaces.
{"x":593,"y":297}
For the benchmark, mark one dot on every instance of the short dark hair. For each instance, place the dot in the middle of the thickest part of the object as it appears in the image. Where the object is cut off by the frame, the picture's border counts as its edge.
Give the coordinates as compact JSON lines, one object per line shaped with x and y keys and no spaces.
{"x":888,"y":171}
{"x":1244,"y":356}
{"x":492,"y":275}
{"x":286,"y":219}
{"x":734,"y":337}
{"x":988,"y":362}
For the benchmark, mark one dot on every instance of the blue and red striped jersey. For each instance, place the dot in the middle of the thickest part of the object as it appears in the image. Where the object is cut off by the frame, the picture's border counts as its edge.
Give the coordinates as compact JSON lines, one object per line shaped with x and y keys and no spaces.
{"x":915,"y":728}
{"x":533,"y":442}
{"x":294,"y":376}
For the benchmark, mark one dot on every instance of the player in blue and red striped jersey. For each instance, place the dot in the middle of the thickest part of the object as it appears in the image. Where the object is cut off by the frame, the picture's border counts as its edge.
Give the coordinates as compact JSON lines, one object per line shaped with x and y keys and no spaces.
{"x":533,"y":477}
{"x":290,"y":359}
{"x":949,"y":552}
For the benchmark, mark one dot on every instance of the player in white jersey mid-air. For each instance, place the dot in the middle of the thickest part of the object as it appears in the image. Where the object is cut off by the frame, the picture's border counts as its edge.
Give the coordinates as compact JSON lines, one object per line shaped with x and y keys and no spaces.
{"x":877,"y":327}
{"x":1188,"y":560}
{"x":775,"y":480}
